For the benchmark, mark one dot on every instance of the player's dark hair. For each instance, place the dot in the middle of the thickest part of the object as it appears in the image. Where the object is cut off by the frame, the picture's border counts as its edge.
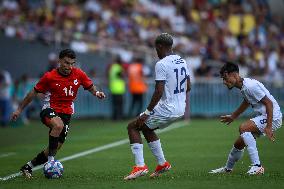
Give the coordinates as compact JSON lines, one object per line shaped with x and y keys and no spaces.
{"x":67,"y":53}
{"x":229,"y":67}
{"x":164,"y":39}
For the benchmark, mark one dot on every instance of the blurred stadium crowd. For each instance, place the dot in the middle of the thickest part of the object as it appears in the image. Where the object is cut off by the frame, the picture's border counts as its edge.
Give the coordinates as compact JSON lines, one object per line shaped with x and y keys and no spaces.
{"x":205,"y":32}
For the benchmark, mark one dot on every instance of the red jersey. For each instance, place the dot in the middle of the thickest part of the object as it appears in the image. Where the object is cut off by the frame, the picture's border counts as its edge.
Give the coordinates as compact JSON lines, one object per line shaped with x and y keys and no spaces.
{"x":61,"y":91}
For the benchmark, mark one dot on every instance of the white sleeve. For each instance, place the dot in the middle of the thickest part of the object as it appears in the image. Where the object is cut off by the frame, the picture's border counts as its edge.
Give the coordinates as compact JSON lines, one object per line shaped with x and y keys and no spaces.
{"x":160,"y":70}
{"x":257,"y":93}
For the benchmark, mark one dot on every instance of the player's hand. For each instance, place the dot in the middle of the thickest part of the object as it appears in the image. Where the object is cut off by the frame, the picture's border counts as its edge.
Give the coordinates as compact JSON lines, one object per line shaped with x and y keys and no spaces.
{"x":15,"y":115}
{"x":100,"y":95}
{"x":227,"y":119}
{"x":141,"y":119}
{"x":269,"y":133}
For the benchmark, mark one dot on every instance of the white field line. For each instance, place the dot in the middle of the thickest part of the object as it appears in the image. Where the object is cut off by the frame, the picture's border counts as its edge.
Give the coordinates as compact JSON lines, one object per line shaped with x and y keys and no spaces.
{"x":7,"y":154}
{"x":98,"y":149}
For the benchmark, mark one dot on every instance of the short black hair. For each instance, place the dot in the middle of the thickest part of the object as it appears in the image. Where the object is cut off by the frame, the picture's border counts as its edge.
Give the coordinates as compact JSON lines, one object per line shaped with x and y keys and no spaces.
{"x":229,"y":67}
{"x":164,"y":39}
{"x":67,"y":53}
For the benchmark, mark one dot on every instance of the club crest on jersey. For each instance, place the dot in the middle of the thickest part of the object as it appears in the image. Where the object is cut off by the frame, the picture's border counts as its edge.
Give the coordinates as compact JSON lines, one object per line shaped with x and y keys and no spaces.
{"x":75,"y":82}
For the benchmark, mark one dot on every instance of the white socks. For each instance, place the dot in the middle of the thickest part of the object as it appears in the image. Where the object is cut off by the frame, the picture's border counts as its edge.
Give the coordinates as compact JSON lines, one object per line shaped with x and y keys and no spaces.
{"x":157,"y":151}
{"x":137,"y":150}
{"x":30,"y":164}
{"x":50,"y":158}
{"x":251,"y":147}
{"x":233,"y":157}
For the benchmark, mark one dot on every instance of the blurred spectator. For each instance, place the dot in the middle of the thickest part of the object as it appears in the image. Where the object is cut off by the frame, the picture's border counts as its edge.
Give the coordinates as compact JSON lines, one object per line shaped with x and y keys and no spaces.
{"x":93,"y":73}
{"x":21,"y":88}
{"x":204,"y":70}
{"x":52,"y":61}
{"x":214,"y":30}
{"x":137,"y":87}
{"x":117,"y":88}
{"x":5,"y":97}
{"x":243,"y":69}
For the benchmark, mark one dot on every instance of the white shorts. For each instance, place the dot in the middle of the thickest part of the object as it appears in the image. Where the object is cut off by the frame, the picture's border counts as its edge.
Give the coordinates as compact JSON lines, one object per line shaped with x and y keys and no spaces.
{"x":260,"y":122}
{"x":158,"y":121}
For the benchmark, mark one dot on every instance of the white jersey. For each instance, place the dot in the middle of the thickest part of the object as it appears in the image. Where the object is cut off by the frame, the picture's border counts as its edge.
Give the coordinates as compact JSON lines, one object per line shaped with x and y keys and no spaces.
{"x":253,"y":91}
{"x":173,"y":70}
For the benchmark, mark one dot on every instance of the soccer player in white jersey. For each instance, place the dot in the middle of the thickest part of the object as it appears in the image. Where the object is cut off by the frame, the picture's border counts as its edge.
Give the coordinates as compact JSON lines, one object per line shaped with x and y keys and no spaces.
{"x":268,"y":119}
{"x":167,"y":105}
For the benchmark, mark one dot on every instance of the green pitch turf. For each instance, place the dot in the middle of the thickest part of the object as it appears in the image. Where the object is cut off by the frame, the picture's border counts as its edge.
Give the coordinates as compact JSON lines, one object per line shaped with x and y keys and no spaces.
{"x":193,"y":150}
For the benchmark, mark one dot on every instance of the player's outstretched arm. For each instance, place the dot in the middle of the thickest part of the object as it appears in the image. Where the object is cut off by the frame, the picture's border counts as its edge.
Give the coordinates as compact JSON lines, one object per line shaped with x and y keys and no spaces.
{"x":28,"y":98}
{"x":230,"y":118}
{"x":99,"y":94}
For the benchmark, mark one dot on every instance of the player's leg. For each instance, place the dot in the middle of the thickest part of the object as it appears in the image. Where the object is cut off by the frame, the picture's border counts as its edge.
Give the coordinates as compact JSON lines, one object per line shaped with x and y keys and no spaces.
{"x":56,"y":125}
{"x":136,"y":145}
{"x":41,"y":158}
{"x":155,"y":146}
{"x":157,"y":121}
{"x":235,"y":154}
{"x":248,"y":130}
{"x":61,"y":138}
{"x":51,"y":120}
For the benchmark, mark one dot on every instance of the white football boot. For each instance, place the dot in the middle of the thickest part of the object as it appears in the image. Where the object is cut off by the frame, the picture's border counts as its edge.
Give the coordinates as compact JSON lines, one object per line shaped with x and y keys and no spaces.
{"x":137,"y":172}
{"x":256,"y":170}
{"x":220,"y":170}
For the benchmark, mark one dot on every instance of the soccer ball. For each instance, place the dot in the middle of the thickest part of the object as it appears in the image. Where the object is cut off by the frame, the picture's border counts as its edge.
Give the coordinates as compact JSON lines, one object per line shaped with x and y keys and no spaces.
{"x":53,"y":169}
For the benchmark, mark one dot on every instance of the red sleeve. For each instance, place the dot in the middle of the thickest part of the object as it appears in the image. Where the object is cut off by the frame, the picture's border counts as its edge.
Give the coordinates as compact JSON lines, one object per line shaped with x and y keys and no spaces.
{"x":86,"y":82}
{"x":42,"y":84}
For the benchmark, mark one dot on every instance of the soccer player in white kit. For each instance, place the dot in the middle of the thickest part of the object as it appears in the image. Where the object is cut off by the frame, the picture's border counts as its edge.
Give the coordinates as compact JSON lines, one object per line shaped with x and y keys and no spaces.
{"x":268,"y":119}
{"x":166,"y":106}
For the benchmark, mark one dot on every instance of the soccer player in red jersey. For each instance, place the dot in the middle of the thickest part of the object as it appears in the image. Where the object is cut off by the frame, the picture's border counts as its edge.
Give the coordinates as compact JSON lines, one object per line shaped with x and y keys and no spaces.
{"x":60,"y":87}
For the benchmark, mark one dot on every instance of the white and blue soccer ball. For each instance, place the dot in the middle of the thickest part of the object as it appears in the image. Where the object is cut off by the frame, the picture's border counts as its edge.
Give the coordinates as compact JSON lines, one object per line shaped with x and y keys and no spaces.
{"x":53,"y":169}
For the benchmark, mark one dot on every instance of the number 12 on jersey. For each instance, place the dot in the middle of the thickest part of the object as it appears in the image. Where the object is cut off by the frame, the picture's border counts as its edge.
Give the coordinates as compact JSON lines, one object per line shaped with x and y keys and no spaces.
{"x":179,"y":87}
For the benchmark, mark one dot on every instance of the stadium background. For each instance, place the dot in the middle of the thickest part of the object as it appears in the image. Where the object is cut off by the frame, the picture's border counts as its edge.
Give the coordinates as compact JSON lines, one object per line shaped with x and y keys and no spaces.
{"x":205,"y":33}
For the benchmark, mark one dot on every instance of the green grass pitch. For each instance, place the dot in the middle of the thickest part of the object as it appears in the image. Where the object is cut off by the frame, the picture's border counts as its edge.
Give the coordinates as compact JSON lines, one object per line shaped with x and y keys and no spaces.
{"x":193,"y":150}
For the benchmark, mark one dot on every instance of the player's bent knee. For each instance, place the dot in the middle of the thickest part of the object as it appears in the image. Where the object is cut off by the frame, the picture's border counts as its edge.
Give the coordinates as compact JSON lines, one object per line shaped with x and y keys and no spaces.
{"x":58,"y":128}
{"x":131,"y":126}
{"x":243,"y":128}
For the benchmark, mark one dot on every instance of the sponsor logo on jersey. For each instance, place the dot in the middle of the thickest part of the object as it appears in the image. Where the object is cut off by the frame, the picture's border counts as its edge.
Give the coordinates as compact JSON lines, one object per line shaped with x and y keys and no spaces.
{"x":75,"y":82}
